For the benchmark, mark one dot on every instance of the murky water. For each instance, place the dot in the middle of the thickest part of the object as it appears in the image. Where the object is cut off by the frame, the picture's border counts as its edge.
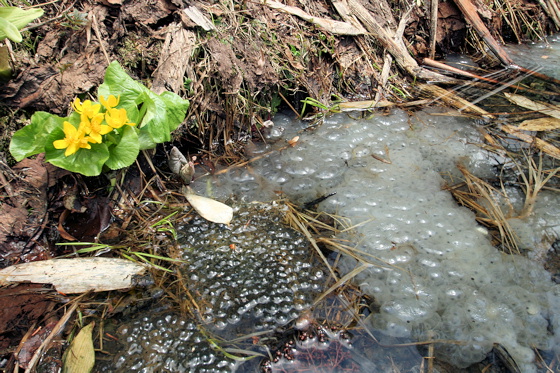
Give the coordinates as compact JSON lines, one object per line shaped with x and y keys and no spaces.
{"x":428,"y":268}
{"x":431,"y":272}
{"x":434,"y":272}
{"x":543,"y":56}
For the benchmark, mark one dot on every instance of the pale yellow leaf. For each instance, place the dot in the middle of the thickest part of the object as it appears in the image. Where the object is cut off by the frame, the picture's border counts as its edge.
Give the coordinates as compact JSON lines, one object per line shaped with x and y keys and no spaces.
{"x":540,"y":144}
{"x":208,"y":208}
{"x":80,"y":356}
{"x":200,"y":19}
{"x":540,"y":124}
{"x":541,"y":107}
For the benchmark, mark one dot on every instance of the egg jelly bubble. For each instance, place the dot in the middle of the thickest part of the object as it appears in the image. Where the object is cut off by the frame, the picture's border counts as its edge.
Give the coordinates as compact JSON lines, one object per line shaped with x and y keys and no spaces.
{"x":167,"y":343}
{"x":267,"y":276}
{"x":386,"y":175}
{"x":408,"y":310}
{"x":389,"y":325}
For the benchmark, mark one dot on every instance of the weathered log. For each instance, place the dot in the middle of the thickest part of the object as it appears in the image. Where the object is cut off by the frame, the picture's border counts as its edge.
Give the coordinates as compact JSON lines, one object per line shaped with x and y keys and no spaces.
{"x":385,"y":35}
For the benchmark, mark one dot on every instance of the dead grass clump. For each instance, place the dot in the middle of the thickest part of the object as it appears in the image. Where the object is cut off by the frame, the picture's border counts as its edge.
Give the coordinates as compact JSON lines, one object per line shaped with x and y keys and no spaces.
{"x":492,"y":205}
{"x":486,"y":202}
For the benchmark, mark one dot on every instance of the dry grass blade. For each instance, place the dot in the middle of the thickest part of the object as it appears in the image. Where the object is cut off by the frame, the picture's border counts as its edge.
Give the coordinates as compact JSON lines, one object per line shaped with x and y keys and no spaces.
{"x":489,"y":212}
{"x":452,"y":99}
{"x":293,"y":217}
{"x":541,"y":107}
{"x":56,"y":331}
{"x":540,"y":144}
{"x":533,"y":182}
{"x":348,"y":277}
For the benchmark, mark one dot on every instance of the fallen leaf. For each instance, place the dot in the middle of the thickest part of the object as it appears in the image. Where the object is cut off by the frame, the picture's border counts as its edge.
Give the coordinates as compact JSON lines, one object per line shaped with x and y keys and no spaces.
{"x":293,"y":141}
{"x":76,"y":275}
{"x":80,"y":356}
{"x":200,"y":19}
{"x":540,"y":124}
{"x":540,"y":144}
{"x":541,"y":107}
{"x":208,"y":208}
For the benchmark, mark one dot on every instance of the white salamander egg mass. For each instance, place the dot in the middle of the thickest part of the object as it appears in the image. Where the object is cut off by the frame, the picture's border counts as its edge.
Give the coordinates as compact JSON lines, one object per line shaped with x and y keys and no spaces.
{"x":436,"y":275}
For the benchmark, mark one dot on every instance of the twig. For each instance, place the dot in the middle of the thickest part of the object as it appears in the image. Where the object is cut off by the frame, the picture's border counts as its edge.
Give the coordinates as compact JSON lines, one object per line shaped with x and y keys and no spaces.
{"x":98,"y":34}
{"x":56,"y":330}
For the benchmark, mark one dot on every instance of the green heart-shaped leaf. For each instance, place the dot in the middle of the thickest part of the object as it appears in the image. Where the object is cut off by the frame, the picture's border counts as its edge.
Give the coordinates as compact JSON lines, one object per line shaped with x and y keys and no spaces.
{"x":31,"y":139}
{"x":88,"y":162}
{"x":125,"y":151}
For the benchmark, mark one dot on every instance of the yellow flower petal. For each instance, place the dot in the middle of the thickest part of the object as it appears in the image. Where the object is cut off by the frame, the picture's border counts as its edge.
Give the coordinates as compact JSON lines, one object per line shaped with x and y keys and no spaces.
{"x":95,"y":137}
{"x":117,"y":118}
{"x":110,"y":102}
{"x":71,"y":149}
{"x":86,"y":108}
{"x":60,"y":144}
{"x":74,"y":139}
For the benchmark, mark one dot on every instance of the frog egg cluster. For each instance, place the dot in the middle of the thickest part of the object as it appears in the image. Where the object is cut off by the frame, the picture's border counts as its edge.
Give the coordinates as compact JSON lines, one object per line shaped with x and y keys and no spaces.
{"x":167,"y":343}
{"x":435,"y":272}
{"x":257,"y":273}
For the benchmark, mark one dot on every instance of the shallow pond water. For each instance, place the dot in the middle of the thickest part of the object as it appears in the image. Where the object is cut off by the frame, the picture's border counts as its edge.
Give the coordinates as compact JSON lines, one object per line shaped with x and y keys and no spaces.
{"x":428,"y":269}
{"x":543,"y":56}
{"x":432,"y":271}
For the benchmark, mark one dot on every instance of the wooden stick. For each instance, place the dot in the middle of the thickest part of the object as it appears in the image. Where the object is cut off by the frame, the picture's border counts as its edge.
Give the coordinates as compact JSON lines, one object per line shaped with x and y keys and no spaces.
{"x":433,"y":26}
{"x":470,"y":13}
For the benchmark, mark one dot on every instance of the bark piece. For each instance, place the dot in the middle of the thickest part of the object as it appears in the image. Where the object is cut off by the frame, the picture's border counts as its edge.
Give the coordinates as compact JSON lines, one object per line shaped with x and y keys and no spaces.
{"x":336,"y":27}
{"x":177,"y":52}
{"x":76,"y":275}
{"x":471,"y":14}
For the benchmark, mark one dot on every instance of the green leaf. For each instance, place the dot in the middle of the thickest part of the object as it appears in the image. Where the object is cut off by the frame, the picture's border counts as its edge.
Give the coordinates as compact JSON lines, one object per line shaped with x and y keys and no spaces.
{"x":162,"y":113}
{"x":8,"y":30}
{"x":18,"y":18}
{"x":80,"y":356}
{"x":176,"y":109}
{"x":119,"y":84}
{"x":88,"y":162}
{"x":125,"y":151}
{"x":31,"y":139}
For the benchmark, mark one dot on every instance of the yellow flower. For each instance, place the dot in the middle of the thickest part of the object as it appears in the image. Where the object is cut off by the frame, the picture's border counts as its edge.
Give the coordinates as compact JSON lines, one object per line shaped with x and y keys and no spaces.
{"x":74,"y":139}
{"x":110,"y":102}
{"x":86,"y":108}
{"x":117,"y":118}
{"x":94,"y":128}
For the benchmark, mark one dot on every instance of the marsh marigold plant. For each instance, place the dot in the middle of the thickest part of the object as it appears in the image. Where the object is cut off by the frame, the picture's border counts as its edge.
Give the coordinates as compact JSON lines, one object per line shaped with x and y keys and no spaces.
{"x":94,"y":123}
{"x":108,"y":134}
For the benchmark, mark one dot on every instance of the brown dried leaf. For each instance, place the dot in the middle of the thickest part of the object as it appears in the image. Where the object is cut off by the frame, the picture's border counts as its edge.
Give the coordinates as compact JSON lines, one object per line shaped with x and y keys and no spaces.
{"x":541,"y":107}
{"x":540,"y":124}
